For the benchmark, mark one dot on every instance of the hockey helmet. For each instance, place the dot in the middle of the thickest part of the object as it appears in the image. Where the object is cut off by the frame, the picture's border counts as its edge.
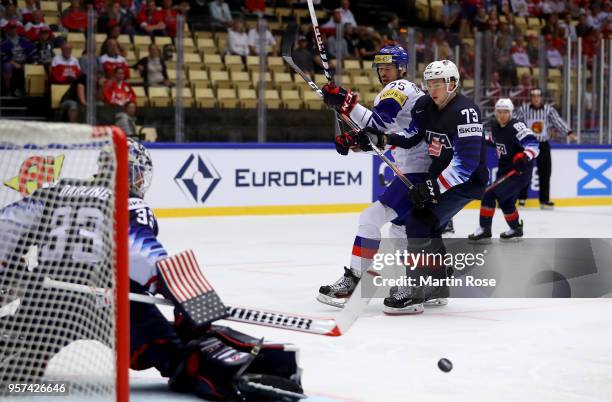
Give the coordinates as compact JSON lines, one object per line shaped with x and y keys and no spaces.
{"x":444,"y":69}
{"x":504,"y":104}
{"x":140,"y":168}
{"x":392,"y":55}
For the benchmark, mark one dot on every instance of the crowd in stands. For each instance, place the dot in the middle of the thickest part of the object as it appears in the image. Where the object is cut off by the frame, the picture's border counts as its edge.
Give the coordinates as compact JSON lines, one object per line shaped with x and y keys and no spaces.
{"x":513,"y":26}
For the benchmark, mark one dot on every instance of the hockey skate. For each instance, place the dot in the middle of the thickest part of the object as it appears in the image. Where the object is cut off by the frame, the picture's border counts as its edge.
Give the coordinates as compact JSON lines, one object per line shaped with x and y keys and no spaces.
{"x":548,"y":205}
{"x":521,"y":203}
{"x":413,"y":300}
{"x":512,"y":234}
{"x":481,"y":236}
{"x":449,"y":230}
{"x":337,"y":294}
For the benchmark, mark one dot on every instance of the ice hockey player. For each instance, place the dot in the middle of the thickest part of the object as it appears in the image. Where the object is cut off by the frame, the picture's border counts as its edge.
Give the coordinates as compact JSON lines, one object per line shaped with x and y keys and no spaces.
{"x":517,"y":147}
{"x":388,"y":121}
{"x":215,"y":362}
{"x":452,"y":127}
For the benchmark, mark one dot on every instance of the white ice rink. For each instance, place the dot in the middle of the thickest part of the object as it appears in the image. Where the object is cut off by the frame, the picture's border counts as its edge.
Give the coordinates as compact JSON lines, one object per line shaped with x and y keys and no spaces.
{"x":502,"y":349}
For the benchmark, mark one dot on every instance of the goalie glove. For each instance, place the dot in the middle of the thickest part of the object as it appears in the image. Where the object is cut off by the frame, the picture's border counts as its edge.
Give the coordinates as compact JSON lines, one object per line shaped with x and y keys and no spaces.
{"x":341,"y":100}
{"x":345,"y":141}
{"x":369,"y":136}
{"x":521,"y":162}
{"x":424,"y":193}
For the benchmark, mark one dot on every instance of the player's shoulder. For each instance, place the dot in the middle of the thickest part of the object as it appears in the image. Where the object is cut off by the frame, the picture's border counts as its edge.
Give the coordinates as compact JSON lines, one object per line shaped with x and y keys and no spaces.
{"x":463,"y":102}
{"x":135,"y":203}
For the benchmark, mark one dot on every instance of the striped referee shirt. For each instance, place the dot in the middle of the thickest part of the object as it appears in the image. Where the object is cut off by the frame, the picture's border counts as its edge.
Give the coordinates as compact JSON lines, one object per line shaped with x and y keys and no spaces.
{"x":541,"y":119}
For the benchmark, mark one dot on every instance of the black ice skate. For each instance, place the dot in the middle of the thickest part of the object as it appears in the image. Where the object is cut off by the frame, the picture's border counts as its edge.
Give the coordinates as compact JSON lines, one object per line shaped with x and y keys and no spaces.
{"x":481,"y":236}
{"x":449,"y":230}
{"x":522,"y":203}
{"x":404,"y":300}
{"x":337,"y":294}
{"x":512,"y":234}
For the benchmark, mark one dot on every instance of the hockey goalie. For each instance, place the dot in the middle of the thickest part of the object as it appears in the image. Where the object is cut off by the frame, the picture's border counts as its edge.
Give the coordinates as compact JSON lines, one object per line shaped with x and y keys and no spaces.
{"x":48,"y":227}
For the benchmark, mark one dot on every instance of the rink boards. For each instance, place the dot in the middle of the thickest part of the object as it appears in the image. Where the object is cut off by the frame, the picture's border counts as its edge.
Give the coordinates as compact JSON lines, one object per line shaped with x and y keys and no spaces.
{"x":245,"y":179}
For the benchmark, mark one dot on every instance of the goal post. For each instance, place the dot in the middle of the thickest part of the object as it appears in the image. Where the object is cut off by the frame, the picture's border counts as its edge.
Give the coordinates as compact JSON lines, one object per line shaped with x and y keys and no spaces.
{"x":64,"y":215}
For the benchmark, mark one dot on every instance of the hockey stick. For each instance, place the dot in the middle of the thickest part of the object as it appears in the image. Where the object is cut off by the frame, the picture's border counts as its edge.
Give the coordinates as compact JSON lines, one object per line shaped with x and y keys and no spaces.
{"x":311,"y":325}
{"x":501,"y":180}
{"x":287,"y":48}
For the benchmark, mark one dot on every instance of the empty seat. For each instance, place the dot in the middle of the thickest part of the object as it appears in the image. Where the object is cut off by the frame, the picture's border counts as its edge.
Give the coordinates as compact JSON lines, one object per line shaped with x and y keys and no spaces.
{"x":158,"y":97}
{"x":233,"y":62}
{"x":312,"y":100}
{"x":36,"y":79}
{"x":220,"y":79}
{"x":57,"y":92}
{"x":291,"y":99}
{"x":248,"y":98}
{"x":205,"y":98}
{"x":207,"y":45}
{"x":76,"y":38}
{"x":213,"y":62}
{"x":199,"y":78}
{"x":272,"y":99}
{"x":141,"y":96}
{"x":283,"y":81}
{"x":276,"y":64}
{"x":186,"y":94}
{"x":163,"y":40}
{"x":240,"y":79}
{"x":227,"y":98}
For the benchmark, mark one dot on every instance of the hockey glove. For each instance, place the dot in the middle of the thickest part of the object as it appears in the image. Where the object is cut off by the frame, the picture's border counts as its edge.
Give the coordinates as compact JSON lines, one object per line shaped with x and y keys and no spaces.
{"x":369,"y":136}
{"x":345,"y":141}
{"x":340,"y":99}
{"x":423,"y":193}
{"x":521,"y":162}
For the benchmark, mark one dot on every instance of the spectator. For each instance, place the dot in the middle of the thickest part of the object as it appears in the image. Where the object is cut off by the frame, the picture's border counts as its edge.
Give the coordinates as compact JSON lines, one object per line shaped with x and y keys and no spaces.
{"x":303,"y":56}
{"x":597,"y":16}
{"x":444,"y":49}
{"x":112,"y":60}
{"x":16,"y":52}
{"x":420,"y":47}
{"x":369,"y":44}
{"x":553,"y":56}
{"x":520,"y":58}
{"x":535,"y":8}
{"x":255,"y":6}
{"x":74,"y":19}
{"x":114,"y":17}
{"x":390,"y":32}
{"x":533,"y":49}
{"x":114,"y":33}
{"x":127,"y":21}
{"x":26,"y":12}
{"x":507,"y":12}
{"x":332,"y":45}
{"x":126,"y":120}
{"x":77,"y":92}
{"x":494,"y":90}
{"x":169,"y":14}
{"x":503,"y":58}
{"x":271,"y":45}
{"x":151,"y":20}
{"x":582,"y":28}
{"x":504,"y":36}
{"x":520,"y":8}
{"x":521,"y":93}
{"x":44,"y":48}
{"x":330,"y":26}
{"x":65,"y":68}
{"x":117,"y":92}
{"x":153,"y":69}
{"x":451,"y":12}
{"x":10,"y":14}
{"x":465,"y":30}
{"x":492,"y":19}
{"x":33,"y":28}
{"x":237,"y":39}
{"x":350,"y":39}
{"x":480,"y":22}
{"x":220,"y":13}
{"x":70,"y":112}
{"x":346,"y":15}
{"x":568,"y":27}
{"x":552,"y":26}
{"x":574,"y":8}
{"x":467,"y":60}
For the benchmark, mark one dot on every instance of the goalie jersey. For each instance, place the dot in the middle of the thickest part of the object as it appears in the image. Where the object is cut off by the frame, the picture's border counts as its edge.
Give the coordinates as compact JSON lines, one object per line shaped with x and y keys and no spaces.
{"x":392,"y":114}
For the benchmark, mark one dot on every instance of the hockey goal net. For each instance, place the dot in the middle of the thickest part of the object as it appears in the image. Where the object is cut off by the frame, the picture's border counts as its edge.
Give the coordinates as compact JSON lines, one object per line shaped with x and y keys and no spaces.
{"x":63,"y":217}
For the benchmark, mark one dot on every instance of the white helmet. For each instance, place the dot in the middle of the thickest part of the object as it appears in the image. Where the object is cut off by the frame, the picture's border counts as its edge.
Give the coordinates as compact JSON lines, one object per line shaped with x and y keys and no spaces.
{"x":444,"y":69}
{"x":504,"y":104}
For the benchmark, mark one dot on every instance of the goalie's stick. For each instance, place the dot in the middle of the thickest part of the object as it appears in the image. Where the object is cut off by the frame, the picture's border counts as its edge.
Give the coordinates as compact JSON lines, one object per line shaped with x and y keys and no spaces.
{"x":501,"y":180}
{"x":311,"y":325}
{"x":287,"y":49}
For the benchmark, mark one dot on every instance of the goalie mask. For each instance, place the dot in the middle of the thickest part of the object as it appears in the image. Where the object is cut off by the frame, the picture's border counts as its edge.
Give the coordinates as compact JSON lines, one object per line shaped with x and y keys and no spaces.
{"x":140,"y":168}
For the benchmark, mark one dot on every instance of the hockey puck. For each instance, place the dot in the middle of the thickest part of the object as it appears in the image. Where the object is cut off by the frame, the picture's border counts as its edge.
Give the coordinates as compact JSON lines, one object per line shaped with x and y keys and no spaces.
{"x":445,"y":365}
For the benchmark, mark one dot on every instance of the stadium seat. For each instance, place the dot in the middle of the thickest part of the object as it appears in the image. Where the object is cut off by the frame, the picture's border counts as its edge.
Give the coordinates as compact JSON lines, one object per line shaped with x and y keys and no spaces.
{"x":150,"y":133}
{"x":312,"y":100}
{"x":320,"y":79}
{"x":361,"y":83}
{"x":163,"y":40}
{"x":192,"y":60}
{"x":276,"y":64}
{"x":220,"y":79}
{"x":522,"y":70}
{"x":240,"y":79}
{"x":131,"y":57}
{"x":255,"y":78}
{"x":352,"y":66}
{"x":468,"y":83}
{"x":534,"y":23}
{"x":57,"y":92}
{"x":203,"y":34}
{"x":206,"y":45}
{"x":283,"y":81}
{"x":282,"y":12}
{"x":76,"y":39}
{"x":189,"y":45}
{"x":252,"y":63}
{"x":233,"y":62}
{"x":158,"y":97}
{"x":272,"y":99}
{"x":135,"y":77}
{"x":36,"y":79}
{"x":52,"y":19}
{"x":199,"y":78}
{"x":205,"y":98}
{"x":141,"y":96}
{"x":291,"y":99}
{"x":212,"y":62}
{"x":227,"y":98}
{"x":187,"y":96}
{"x":248,"y":98}
{"x":346,"y":80}
{"x":124,"y":40}
{"x":100,"y":37}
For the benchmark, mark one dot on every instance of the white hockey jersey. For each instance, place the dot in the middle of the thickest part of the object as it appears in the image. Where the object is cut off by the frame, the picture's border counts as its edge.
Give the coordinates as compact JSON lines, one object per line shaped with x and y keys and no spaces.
{"x":392,"y":115}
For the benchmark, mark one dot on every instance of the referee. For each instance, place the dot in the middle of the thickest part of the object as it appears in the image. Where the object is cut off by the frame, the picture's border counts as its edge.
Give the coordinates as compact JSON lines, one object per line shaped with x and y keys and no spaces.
{"x":540,"y":117}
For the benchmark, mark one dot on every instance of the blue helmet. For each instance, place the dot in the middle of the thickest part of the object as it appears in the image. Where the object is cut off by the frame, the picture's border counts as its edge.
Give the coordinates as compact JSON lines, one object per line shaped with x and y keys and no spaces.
{"x":392,"y":55}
